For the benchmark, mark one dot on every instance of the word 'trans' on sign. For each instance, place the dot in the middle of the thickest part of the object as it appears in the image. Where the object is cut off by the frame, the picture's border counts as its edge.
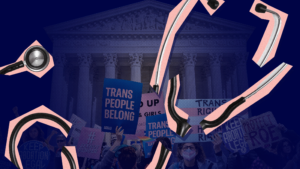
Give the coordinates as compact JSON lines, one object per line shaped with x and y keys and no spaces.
{"x":121,"y":105}
{"x":261,"y":130}
{"x":89,"y":143}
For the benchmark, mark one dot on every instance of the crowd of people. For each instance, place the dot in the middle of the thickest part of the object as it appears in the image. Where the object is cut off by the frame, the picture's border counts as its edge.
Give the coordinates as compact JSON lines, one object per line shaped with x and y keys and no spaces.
{"x":284,"y":154}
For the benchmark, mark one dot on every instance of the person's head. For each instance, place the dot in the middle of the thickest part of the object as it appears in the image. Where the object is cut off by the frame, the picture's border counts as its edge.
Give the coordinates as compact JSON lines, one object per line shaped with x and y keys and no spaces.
{"x":127,"y":158}
{"x":113,"y":139}
{"x":165,"y":141}
{"x":34,"y":133}
{"x":60,"y":140}
{"x":284,"y":147}
{"x":190,"y":151}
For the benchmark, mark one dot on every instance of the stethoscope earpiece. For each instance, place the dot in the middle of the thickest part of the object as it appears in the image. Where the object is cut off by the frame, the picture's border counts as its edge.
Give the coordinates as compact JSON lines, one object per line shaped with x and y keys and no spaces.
{"x":213,"y":4}
{"x":261,"y":8}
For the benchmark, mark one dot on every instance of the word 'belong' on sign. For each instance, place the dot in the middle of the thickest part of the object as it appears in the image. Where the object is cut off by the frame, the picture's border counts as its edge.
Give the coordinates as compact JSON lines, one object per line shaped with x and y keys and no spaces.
{"x":121,"y":105}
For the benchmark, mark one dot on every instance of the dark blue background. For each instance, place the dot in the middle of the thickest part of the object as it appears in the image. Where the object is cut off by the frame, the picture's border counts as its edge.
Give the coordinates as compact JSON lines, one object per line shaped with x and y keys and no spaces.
{"x":22,"y":23}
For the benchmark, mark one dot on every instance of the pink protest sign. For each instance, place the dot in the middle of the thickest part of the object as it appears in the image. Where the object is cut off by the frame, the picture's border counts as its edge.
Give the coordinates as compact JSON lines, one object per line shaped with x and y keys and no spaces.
{"x":151,"y":105}
{"x":89,"y":143}
{"x":261,"y":130}
{"x":78,"y":124}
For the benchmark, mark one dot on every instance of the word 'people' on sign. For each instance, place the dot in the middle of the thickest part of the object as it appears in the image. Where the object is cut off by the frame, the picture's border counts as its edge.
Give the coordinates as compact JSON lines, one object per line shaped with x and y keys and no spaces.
{"x":117,"y":103}
{"x":159,"y":129}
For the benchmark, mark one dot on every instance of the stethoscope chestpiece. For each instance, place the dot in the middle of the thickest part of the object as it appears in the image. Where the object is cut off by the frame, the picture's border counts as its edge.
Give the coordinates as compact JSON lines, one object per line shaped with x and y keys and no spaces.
{"x":36,"y":58}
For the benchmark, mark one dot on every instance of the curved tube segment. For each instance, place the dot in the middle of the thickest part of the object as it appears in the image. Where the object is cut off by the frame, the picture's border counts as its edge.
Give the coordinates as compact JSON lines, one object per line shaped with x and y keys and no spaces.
{"x":160,"y":158}
{"x":69,"y":157}
{"x":213,"y":4}
{"x":175,"y":20}
{"x":25,"y":120}
{"x":177,"y":119}
{"x":246,"y":99}
{"x":277,"y":25}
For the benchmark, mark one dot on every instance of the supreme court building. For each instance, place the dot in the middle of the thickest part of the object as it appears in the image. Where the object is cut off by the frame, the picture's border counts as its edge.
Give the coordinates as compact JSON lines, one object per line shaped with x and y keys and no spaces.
{"x":209,"y":53}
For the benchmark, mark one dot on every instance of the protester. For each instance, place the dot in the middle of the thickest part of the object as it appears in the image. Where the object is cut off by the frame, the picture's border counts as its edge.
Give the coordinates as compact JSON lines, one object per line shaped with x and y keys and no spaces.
{"x":166,"y":142}
{"x":295,"y":162}
{"x":192,"y":156}
{"x":109,"y":159}
{"x":277,"y":156}
{"x":127,"y":159}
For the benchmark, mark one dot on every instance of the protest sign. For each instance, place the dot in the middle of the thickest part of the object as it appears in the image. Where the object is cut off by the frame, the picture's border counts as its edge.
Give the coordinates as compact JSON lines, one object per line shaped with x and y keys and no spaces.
{"x":34,"y":155}
{"x":233,"y":135}
{"x":147,"y":146}
{"x":200,"y":103}
{"x":77,"y":125}
{"x":97,"y":126}
{"x":121,"y":105}
{"x":157,"y":126}
{"x":90,"y":143}
{"x":261,"y":130}
{"x":151,"y":105}
{"x":198,"y":109}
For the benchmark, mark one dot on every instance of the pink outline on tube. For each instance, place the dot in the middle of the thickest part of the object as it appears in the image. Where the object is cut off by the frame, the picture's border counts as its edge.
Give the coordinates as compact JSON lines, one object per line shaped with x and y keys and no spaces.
{"x":261,"y":51}
{"x":23,"y":69}
{"x":41,"y":109}
{"x":250,"y":100}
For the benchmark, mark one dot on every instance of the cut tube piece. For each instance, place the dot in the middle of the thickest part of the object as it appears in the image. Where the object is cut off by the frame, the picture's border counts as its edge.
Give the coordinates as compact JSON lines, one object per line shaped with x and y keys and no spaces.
{"x":249,"y":97}
{"x":175,"y":20}
{"x":177,"y":119}
{"x":20,"y":124}
{"x":160,"y":158}
{"x":269,"y":43}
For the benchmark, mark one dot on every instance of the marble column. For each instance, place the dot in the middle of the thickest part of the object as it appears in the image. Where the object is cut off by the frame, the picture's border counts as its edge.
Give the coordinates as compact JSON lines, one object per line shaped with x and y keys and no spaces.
{"x":208,"y":79}
{"x":228,"y":83}
{"x":135,"y":60}
{"x":234,"y":83}
{"x":182,"y":82}
{"x":59,"y":88}
{"x":241,"y":70}
{"x":189,"y":62}
{"x":84,"y":88}
{"x":110,"y":62}
{"x":216,"y":78}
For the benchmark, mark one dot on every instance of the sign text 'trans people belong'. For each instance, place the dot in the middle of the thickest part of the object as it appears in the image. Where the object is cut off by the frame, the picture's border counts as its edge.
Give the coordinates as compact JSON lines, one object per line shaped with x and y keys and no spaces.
{"x":121,"y":105}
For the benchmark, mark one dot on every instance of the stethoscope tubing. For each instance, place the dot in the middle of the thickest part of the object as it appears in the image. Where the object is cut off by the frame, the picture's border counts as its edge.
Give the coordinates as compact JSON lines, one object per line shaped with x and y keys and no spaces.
{"x":27,"y":119}
{"x":269,"y":48}
{"x":165,"y":42}
{"x":210,"y":124}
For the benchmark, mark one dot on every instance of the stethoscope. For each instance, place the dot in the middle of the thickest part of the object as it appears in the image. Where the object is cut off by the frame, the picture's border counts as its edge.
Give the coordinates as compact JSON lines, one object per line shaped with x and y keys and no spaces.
{"x":30,"y":118}
{"x":212,"y":3}
{"x":210,"y":124}
{"x":36,"y":59}
{"x":260,"y":8}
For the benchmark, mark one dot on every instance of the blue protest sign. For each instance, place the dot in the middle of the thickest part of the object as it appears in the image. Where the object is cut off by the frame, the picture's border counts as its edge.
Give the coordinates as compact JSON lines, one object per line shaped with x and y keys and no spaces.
{"x":157,"y":126}
{"x":34,"y":155}
{"x":147,"y":145}
{"x":233,"y":135}
{"x":121,"y":105}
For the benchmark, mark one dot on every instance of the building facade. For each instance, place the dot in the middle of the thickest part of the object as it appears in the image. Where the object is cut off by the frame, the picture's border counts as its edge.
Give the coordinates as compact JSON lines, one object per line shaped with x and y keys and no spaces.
{"x":209,"y":53}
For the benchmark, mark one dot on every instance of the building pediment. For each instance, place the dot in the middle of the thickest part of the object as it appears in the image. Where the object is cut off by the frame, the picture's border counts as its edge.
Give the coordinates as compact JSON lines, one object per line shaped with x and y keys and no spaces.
{"x":146,"y":16}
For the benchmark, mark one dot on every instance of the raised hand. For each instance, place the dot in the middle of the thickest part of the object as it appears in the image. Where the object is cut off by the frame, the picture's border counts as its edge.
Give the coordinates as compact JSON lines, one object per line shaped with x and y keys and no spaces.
{"x":217,"y":141}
